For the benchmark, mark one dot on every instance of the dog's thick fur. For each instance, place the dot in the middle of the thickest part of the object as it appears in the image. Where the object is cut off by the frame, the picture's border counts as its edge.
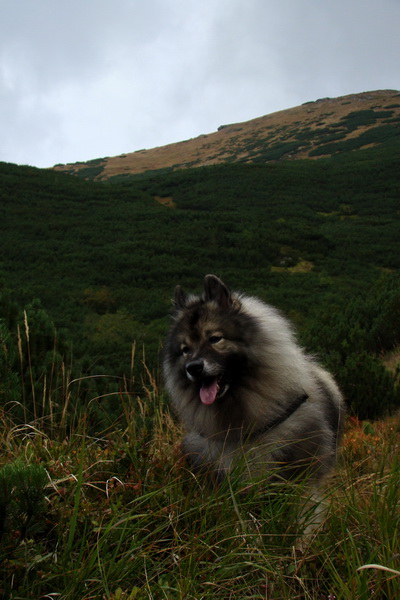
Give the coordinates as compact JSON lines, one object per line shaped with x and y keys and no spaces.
{"x":245,"y":391}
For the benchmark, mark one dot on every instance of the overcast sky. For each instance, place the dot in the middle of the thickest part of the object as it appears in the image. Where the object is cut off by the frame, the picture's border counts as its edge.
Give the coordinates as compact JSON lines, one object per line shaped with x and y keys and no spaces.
{"x":83,"y":79}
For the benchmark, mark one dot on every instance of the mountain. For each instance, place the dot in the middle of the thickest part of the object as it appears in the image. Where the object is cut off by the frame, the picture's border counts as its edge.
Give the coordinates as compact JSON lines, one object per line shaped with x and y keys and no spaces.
{"x":317,"y":129}
{"x":99,"y":254}
{"x":87,"y":272}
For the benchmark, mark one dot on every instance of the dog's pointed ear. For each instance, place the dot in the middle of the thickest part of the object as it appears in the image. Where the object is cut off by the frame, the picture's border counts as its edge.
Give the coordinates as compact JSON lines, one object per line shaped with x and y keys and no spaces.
{"x":179,"y":300}
{"x":215,"y":290}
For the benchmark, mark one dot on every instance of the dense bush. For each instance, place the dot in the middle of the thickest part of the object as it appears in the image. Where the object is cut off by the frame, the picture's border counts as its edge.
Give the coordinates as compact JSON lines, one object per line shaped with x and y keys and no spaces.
{"x":352,"y":340}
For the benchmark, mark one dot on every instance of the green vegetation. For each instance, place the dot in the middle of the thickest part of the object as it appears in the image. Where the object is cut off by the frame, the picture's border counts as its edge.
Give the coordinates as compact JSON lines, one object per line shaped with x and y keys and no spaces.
{"x":119,"y":517}
{"x":94,"y":499}
{"x":384,"y":134}
{"x":361,"y":118}
{"x":377,"y":127}
{"x":22,"y":503}
{"x":93,"y":169}
{"x":93,"y":265}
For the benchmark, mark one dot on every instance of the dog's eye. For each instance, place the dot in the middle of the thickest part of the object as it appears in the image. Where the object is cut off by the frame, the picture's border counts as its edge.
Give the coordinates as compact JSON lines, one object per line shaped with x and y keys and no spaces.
{"x":214,"y":339}
{"x":185,"y":350}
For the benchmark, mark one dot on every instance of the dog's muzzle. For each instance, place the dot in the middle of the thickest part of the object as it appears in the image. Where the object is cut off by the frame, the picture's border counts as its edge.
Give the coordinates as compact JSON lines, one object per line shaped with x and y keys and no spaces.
{"x":210,"y":382}
{"x":195,"y":369}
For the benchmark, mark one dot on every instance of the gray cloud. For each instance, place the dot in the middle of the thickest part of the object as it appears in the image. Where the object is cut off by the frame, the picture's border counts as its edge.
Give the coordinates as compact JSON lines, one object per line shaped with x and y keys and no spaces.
{"x":79,"y":80}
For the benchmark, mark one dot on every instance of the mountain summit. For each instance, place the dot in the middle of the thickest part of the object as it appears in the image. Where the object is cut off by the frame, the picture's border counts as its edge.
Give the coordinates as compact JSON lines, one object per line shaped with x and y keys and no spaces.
{"x":316,"y":129}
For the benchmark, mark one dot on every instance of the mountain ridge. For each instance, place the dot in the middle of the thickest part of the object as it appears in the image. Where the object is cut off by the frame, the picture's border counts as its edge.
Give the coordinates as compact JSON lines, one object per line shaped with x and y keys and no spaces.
{"x":314,"y":129}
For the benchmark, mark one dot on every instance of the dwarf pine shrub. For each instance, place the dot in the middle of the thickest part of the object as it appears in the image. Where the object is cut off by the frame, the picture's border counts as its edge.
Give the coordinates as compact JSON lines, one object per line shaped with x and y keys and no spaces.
{"x":22,"y":501}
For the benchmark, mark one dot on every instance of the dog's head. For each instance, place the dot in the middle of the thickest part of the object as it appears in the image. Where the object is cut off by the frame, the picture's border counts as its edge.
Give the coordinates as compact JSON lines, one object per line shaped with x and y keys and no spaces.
{"x":207,"y":343}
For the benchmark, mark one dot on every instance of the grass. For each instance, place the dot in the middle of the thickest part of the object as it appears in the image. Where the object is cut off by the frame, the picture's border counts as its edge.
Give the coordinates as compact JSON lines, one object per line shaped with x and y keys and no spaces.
{"x":124,"y":519}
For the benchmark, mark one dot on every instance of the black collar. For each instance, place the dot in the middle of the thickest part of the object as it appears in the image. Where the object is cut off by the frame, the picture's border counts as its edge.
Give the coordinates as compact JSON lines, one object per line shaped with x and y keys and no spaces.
{"x":295,"y":405}
{"x":291,"y":409}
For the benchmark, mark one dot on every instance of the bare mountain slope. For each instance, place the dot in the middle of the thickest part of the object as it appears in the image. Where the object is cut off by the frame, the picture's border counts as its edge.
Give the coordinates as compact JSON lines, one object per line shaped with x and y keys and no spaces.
{"x":313,"y":130}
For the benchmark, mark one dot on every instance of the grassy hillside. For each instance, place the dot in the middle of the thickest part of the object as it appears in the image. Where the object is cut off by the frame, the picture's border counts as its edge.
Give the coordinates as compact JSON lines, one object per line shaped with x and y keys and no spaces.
{"x":117,"y":516}
{"x":95,"y":501}
{"x":251,"y":224}
{"x":319,"y":239}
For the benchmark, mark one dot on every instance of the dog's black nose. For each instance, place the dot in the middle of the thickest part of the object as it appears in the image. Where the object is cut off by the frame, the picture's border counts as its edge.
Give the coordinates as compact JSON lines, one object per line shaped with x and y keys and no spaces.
{"x":195,"y":368}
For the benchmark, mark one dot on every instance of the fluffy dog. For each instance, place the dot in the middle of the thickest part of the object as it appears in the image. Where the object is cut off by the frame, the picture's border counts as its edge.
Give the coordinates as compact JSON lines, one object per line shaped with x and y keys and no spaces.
{"x":245,"y":391}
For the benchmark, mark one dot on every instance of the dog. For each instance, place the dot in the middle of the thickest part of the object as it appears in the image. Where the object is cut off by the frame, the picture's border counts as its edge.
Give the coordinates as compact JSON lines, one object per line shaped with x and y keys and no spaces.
{"x":246,"y":392}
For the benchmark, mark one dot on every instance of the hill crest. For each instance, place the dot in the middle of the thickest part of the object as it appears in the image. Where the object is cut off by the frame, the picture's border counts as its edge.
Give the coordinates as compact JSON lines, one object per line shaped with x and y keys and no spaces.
{"x":315,"y":129}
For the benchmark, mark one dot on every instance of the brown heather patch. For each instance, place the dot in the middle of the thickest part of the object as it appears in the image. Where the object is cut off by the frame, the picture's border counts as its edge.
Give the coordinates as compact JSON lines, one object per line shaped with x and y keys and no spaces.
{"x":165,"y":201}
{"x":303,"y":266}
{"x":392,"y":360}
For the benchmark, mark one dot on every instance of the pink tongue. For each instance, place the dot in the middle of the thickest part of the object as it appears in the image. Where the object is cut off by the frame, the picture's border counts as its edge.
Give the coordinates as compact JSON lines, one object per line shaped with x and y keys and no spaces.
{"x":208,"y":393}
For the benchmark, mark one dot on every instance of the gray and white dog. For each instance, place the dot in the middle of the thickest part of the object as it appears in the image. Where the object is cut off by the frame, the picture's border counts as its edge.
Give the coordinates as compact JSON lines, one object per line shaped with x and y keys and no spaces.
{"x":245,"y":391}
